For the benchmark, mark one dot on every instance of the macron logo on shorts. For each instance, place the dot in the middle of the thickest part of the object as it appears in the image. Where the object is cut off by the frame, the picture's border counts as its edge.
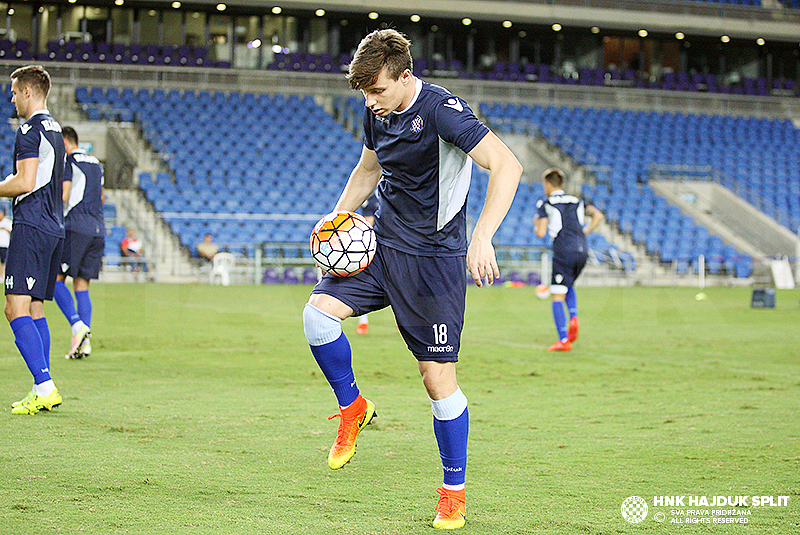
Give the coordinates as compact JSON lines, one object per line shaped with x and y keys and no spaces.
{"x":64,"y":267}
{"x":10,"y":282}
{"x":31,"y":281}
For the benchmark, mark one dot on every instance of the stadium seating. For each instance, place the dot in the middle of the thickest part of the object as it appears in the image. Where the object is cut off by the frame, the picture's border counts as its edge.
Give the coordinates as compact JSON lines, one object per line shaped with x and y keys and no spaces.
{"x":759,"y":156}
{"x":260,"y":169}
{"x":133,"y":54}
{"x":246,"y":168}
{"x":112,"y":253}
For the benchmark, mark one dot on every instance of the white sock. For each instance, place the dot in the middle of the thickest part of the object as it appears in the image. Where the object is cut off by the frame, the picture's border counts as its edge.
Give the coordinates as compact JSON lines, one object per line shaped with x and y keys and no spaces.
{"x":450,"y":407}
{"x":45,"y":389}
{"x":453,"y":487}
{"x":77,"y":326}
{"x":363,"y":320}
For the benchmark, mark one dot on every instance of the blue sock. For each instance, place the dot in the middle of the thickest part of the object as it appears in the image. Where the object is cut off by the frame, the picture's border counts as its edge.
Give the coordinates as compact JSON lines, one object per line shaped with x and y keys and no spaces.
{"x":560,"y":318}
{"x":29,"y":342}
{"x":572,"y":302}
{"x":335,"y":361}
{"x":65,"y":303}
{"x":451,"y":435}
{"x":84,"y":307}
{"x":44,"y":334}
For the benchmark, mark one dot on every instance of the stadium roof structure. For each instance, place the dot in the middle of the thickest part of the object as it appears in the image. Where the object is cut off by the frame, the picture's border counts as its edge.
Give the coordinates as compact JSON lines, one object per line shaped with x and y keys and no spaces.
{"x":692,"y":16}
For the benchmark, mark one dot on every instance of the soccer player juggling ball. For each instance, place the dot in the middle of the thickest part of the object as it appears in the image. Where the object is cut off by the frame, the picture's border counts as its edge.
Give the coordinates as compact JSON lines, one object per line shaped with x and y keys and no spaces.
{"x":562,"y":216}
{"x":34,"y":252}
{"x":421,"y":141}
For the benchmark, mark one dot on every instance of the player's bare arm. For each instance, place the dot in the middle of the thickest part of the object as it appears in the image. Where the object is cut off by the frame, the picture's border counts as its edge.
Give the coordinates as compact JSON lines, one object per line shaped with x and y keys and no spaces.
{"x":66,"y":187}
{"x":504,"y":174}
{"x":540,"y":225}
{"x":23,"y":181}
{"x":362,"y":181}
{"x":597,"y":218}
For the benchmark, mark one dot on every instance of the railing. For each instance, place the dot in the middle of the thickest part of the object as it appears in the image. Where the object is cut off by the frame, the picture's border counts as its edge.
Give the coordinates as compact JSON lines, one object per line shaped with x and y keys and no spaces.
{"x":475,"y":91}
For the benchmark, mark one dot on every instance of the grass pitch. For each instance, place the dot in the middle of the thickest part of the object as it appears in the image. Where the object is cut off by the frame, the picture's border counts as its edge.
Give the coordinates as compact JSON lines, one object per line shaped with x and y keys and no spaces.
{"x":201,"y":410}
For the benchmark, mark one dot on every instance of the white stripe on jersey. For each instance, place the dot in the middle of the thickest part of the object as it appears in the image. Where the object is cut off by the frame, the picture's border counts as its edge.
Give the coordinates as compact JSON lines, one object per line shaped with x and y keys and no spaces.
{"x":77,"y":189}
{"x":554,"y":222}
{"x":44,"y":171}
{"x":455,"y":174}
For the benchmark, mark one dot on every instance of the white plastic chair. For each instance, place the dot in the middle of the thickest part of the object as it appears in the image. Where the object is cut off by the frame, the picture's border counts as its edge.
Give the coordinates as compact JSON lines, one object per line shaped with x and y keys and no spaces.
{"x":221,"y":267}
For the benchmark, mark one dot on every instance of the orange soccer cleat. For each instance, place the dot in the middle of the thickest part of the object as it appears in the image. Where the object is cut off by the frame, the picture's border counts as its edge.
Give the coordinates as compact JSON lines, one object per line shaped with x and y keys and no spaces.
{"x":353,"y":419}
{"x":574,"y":325}
{"x":451,"y":509}
{"x":363,"y":328}
{"x":560,"y":346}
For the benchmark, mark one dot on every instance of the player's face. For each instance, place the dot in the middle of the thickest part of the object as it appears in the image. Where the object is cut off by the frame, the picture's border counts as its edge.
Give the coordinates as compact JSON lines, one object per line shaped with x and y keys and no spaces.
{"x":387,"y":95}
{"x":18,"y":98}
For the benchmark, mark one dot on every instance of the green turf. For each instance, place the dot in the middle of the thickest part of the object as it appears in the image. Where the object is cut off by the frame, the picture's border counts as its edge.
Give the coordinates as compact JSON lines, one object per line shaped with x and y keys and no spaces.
{"x":202,"y":411}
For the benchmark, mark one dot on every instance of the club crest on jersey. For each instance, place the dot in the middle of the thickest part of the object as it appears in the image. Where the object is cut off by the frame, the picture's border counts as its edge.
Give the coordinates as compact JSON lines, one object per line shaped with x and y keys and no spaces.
{"x":417,"y":124}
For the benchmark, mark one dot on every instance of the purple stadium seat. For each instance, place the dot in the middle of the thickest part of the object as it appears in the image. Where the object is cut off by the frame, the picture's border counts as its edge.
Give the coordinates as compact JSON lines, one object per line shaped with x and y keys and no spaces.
{"x":271,"y":277}
{"x":290,"y":276}
{"x":309,"y":276}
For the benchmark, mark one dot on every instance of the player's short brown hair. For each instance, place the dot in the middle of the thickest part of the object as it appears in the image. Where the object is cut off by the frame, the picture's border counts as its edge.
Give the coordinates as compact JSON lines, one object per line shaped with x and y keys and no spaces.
{"x":33,"y":76}
{"x":381,"y":48}
{"x":554,"y":176}
{"x":69,"y":133}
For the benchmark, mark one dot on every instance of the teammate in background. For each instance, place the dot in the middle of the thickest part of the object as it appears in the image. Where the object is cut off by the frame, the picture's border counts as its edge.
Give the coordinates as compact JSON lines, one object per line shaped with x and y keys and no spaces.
{"x":132,"y":247}
{"x":207,"y":248}
{"x":419,"y":145}
{"x":36,"y":241}
{"x":368,"y":209}
{"x":85,"y":240}
{"x":562,"y":216}
{"x":5,"y":237}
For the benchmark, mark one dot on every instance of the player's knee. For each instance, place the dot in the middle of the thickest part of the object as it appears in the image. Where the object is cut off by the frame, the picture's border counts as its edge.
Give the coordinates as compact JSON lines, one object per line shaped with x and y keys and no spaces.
{"x":320,"y":328}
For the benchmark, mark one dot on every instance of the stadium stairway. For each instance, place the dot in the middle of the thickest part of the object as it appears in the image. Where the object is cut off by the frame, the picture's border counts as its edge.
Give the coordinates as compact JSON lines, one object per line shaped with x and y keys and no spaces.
{"x":735,"y":220}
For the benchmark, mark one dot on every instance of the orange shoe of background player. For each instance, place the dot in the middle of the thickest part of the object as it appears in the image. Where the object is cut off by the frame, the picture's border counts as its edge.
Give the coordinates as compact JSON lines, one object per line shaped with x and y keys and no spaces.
{"x":363,"y":328}
{"x":574,"y":325}
{"x":560,"y":346}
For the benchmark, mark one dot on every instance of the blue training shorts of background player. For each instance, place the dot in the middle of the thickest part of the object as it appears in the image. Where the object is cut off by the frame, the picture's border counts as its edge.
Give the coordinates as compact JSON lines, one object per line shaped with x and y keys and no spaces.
{"x":82,"y":256}
{"x":426,"y":293}
{"x":32,"y":262}
{"x":567,"y":265}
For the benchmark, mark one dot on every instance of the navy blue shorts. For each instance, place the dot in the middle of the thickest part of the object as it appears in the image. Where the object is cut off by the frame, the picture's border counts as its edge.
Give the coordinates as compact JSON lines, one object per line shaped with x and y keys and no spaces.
{"x":427,"y":295}
{"x":32,"y":262}
{"x":82,"y":256}
{"x":3,"y":253}
{"x":567,"y":265}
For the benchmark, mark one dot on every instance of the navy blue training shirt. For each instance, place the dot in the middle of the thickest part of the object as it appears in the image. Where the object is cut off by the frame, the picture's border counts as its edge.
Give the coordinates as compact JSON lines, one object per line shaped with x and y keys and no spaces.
{"x":565,"y":219}
{"x":426,"y":172}
{"x":40,"y":137}
{"x":83,"y":212}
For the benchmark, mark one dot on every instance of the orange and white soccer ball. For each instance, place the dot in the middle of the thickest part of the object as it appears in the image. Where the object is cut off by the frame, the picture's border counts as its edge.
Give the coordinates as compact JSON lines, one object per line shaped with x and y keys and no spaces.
{"x":343,"y":243}
{"x":542,"y":291}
